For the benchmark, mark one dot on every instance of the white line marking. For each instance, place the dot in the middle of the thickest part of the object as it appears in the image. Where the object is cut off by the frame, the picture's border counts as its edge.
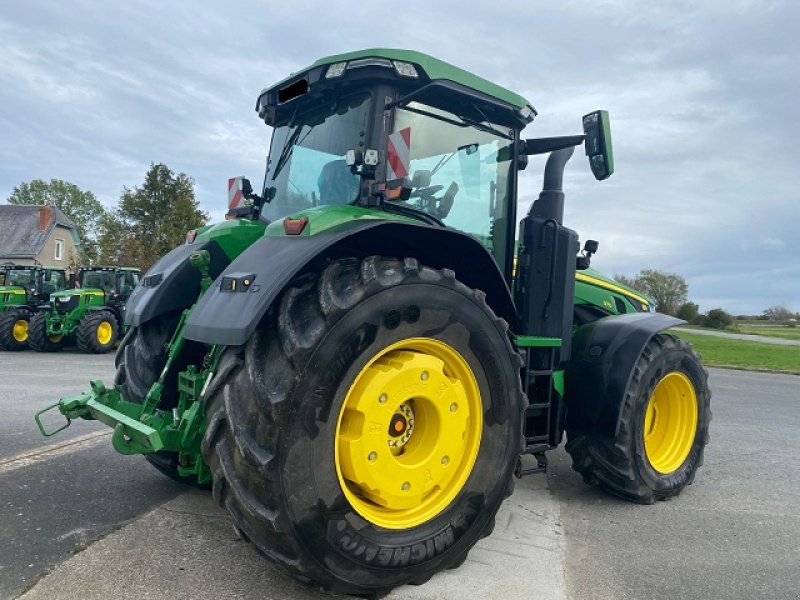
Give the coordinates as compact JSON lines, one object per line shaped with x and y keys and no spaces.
{"x":31,"y":457}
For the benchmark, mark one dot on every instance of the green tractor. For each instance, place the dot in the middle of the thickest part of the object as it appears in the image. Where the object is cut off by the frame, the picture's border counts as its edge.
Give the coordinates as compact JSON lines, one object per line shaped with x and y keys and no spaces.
{"x":94,"y":313}
{"x":358,"y":362}
{"x":23,"y":289}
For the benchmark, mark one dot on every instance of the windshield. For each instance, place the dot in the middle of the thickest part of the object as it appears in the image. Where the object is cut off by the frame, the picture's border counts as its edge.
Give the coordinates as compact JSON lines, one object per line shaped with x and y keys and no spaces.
{"x":21,"y":277}
{"x":460,"y":172}
{"x":53,"y":281}
{"x":307,"y":158}
{"x":98,"y":279}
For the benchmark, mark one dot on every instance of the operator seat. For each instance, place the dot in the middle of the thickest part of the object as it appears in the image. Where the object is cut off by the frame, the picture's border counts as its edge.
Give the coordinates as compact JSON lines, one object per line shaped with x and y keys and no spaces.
{"x":337,"y":184}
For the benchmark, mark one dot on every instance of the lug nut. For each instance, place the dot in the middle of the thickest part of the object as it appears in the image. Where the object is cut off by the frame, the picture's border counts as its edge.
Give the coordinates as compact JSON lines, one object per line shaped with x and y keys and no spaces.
{"x":424,"y":376}
{"x":445,"y":460}
{"x":406,"y":486}
{"x":372,"y":456}
{"x":382,"y":398}
{"x":453,"y":407}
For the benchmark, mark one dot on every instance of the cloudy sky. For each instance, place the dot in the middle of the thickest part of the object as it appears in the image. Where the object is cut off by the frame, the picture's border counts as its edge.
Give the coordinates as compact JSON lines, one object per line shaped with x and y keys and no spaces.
{"x":703,"y":99}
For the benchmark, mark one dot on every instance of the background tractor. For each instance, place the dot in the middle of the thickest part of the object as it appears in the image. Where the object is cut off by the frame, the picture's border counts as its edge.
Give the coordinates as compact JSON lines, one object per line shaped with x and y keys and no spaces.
{"x":362,"y":357}
{"x":94,"y":313}
{"x":23,"y":289}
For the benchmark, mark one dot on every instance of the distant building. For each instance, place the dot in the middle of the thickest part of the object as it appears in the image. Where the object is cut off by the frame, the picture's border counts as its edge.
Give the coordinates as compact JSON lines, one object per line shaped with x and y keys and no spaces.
{"x":31,"y":233}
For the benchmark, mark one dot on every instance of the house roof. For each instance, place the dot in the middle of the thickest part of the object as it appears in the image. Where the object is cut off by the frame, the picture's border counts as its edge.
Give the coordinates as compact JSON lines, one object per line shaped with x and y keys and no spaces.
{"x":20,"y":236}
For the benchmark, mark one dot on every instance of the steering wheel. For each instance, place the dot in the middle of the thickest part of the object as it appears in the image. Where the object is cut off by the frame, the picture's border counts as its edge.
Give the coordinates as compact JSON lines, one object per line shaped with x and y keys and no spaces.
{"x":426,"y":191}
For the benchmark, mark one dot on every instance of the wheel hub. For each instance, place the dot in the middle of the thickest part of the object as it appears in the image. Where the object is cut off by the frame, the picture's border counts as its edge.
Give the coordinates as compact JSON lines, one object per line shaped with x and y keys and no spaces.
{"x":670,"y":422}
{"x":20,"y":330}
{"x":104,"y":332}
{"x":408,"y":433}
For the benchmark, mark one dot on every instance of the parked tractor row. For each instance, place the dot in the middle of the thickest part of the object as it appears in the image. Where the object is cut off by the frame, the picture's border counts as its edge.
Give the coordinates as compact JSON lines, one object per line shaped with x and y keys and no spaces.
{"x":44,"y":310}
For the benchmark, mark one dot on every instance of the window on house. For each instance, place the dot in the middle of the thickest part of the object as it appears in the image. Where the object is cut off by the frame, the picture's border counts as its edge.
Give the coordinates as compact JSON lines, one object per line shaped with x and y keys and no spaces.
{"x":59,"y":249}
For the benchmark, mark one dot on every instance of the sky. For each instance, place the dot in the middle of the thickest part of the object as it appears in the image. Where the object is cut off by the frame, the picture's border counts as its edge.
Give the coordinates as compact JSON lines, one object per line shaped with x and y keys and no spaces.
{"x":703,"y":99}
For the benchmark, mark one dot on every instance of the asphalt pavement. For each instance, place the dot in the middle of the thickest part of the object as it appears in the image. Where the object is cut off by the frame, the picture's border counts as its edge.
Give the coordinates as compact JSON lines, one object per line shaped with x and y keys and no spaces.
{"x":733,"y":534}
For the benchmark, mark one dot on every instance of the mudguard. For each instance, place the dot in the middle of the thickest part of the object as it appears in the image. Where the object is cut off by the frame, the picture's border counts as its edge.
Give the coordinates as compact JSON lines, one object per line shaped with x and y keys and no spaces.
{"x":230,"y":316}
{"x":604,"y":353}
{"x":170,"y":284}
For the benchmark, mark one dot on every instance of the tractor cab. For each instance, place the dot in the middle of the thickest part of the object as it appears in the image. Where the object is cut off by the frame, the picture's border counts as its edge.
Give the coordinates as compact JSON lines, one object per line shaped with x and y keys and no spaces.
{"x":30,"y":285}
{"x":115,"y":283}
{"x":404,"y":136}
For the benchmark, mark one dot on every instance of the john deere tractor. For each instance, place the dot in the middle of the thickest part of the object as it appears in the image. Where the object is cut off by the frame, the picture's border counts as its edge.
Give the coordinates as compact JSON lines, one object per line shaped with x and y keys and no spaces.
{"x":93,"y":314}
{"x":352,"y":361}
{"x":24,"y":288}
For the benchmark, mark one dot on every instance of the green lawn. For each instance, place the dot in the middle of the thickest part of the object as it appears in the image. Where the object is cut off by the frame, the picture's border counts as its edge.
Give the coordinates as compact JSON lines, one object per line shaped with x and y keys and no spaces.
{"x":722,"y":352}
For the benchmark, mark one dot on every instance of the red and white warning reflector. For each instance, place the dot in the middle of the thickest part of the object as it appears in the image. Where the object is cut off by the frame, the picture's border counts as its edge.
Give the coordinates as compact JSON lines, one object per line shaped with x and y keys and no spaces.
{"x":235,"y":195}
{"x":398,"y":154}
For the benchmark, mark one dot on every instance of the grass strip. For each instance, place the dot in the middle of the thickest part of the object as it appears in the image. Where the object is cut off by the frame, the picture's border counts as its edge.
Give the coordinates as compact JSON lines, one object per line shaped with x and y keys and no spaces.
{"x":723,"y":352}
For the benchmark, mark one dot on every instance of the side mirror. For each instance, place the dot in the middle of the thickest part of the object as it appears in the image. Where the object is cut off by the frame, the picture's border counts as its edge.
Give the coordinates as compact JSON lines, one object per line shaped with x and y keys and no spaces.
{"x":597,"y":129}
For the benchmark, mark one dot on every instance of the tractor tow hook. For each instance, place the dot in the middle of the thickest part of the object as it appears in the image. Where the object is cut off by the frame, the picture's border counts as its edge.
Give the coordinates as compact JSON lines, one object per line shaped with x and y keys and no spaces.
{"x":131,"y":435}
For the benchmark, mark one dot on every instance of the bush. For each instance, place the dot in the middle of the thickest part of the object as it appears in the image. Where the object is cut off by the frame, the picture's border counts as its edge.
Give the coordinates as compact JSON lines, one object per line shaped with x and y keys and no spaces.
{"x":717,"y":318}
{"x":689,"y":312}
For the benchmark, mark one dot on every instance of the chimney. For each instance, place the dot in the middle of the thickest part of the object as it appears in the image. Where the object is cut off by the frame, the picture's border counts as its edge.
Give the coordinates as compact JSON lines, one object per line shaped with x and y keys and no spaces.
{"x":45,"y":216}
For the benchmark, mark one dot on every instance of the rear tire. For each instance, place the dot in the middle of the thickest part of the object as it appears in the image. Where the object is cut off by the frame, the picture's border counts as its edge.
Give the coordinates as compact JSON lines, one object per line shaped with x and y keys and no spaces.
{"x":280,"y":419}
{"x":97,"y":332}
{"x":38,"y":338}
{"x":139,"y":360}
{"x":14,"y":325}
{"x":634,"y":466}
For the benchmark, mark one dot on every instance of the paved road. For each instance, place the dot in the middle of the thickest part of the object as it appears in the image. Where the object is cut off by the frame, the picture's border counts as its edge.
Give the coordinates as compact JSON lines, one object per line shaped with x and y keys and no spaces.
{"x":59,"y":494}
{"x":29,"y":381}
{"x":733,"y":534}
{"x":762,"y":339}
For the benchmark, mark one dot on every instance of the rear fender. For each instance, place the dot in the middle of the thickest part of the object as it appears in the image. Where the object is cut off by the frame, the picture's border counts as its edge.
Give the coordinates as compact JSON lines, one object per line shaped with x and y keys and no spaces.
{"x":229,"y":318}
{"x":172,"y":283}
{"x":604,"y":353}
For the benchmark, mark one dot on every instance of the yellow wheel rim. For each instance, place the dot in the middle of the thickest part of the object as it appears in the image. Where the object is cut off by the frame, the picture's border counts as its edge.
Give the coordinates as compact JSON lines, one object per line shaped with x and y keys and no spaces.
{"x":670,"y":422}
{"x":20,"y":330}
{"x":104,"y":332}
{"x":408,"y":433}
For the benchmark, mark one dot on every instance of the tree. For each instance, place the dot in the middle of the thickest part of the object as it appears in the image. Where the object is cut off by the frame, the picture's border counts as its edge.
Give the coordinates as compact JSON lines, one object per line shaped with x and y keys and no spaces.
{"x":778,"y":313}
{"x":82,"y":208}
{"x":667,"y":290}
{"x":689,"y":312}
{"x":152,"y":219}
{"x":718,"y":319}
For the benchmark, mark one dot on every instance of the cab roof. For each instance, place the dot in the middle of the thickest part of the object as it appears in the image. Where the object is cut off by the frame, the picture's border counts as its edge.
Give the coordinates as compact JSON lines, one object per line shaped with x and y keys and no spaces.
{"x":432,"y":69}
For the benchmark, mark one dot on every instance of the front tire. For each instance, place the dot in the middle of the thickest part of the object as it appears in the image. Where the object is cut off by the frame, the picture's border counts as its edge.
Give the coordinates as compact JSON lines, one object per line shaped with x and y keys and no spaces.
{"x":97,"y":332}
{"x":14,"y":325}
{"x":300,"y":421}
{"x":663,"y":428}
{"x":38,"y":338}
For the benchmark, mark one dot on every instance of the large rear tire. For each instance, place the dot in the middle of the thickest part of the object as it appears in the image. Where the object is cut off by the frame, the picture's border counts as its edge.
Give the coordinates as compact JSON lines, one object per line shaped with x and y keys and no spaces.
{"x":366,"y":434}
{"x":38,"y":338}
{"x":97,"y":332}
{"x":14,"y":326}
{"x":663,"y":428}
{"x":140,"y":358}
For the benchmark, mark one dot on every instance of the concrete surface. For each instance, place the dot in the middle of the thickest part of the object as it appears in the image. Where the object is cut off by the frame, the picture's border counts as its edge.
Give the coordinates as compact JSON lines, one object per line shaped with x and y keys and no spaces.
{"x":188,"y":549}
